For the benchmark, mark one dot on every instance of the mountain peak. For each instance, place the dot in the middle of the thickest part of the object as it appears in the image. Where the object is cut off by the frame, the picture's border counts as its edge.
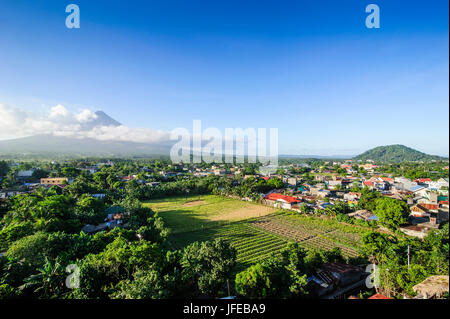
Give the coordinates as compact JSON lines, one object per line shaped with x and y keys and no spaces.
{"x":104,"y":119}
{"x":395,"y":153}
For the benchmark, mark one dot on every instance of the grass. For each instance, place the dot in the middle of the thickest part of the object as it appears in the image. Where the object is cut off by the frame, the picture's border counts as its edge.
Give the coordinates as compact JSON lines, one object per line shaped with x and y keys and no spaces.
{"x":208,"y":211}
{"x":252,"y":244}
{"x":201,"y":218}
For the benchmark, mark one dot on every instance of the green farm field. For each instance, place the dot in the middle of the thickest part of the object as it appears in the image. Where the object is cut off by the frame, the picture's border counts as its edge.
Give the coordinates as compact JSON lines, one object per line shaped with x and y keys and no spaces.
{"x":256,"y":231}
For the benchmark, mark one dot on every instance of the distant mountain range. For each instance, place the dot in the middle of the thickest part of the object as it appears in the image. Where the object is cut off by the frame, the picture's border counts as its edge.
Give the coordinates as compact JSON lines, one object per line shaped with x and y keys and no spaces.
{"x":46,"y":145}
{"x":396,"y":153}
{"x":49,"y":145}
{"x":60,"y":146}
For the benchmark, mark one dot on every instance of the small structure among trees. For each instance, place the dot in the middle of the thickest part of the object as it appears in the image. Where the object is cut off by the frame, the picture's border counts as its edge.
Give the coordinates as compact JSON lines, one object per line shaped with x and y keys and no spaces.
{"x":432,"y":287}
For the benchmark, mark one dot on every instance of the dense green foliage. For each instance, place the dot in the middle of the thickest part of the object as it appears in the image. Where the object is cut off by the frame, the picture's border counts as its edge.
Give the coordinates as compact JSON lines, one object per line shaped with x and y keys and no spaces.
{"x":428,"y":257}
{"x":284,"y":276}
{"x":391,"y":212}
{"x":41,"y":236}
{"x":191,"y":251}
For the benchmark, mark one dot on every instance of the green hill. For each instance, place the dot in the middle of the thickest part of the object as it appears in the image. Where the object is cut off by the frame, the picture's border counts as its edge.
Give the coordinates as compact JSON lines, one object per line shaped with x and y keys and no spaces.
{"x":396,"y":153}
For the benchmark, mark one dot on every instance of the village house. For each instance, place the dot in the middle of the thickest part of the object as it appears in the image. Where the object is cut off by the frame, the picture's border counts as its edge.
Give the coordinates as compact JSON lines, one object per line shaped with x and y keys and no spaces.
{"x":321,"y":178}
{"x":402,"y":183}
{"x":368,"y":167}
{"x":323,"y":193}
{"x":6,"y":193}
{"x":335,"y":279}
{"x":24,"y":175}
{"x":99,"y":196}
{"x":438,"y":185}
{"x":418,"y":231}
{"x":423,"y":181}
{"x":292,"y":181}
{"x":334,"y":184}
{"x":379,"y":296}
{"x":281,"y":201}
{"x":202,"y":174}
{"x":352,"y":196}
{"x":419,"y":191}
{"x":392,"y":195}
{"x":90,"y":169}
{"x":219,"y":171}
{"x":433,"y":287}
{"x":54,"y":180}
{"x":427,"y":214}
{"x":364,"y":215}
{"x":378,"y":183}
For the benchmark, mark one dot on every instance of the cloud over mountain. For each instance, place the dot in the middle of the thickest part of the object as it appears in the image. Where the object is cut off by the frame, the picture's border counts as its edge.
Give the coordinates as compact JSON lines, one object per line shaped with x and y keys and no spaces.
{"x":59,"y":121}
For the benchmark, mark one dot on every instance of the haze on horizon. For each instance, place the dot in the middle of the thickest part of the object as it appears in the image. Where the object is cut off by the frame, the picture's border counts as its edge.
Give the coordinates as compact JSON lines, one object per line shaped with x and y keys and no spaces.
{"x":310,"y":68}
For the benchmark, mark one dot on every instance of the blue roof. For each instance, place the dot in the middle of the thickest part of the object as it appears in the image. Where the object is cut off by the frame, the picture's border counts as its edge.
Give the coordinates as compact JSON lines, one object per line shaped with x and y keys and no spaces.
{"x":114,"y":210}
{"x":416,"y":188}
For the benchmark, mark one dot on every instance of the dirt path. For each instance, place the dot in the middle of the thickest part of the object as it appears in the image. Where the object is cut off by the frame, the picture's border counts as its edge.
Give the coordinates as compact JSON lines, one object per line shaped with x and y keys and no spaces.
{"x":194,"y":203}
{"x":244,"y":213}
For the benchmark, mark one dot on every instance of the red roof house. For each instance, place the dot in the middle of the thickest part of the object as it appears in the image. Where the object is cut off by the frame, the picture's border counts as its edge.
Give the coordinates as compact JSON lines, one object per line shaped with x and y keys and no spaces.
{"x":379,"y":296}
{"x":282,"y":198}
{"x":429,"y":206}
{"x":422,"y":180}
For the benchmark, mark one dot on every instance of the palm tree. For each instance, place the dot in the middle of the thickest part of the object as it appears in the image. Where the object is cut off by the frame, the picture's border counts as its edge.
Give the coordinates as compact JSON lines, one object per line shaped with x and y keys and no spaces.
{"x":48,"y":282}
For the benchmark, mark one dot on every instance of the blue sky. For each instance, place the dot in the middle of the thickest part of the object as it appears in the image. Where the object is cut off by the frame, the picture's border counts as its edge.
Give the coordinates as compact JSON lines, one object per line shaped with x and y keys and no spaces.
{"x":310,"y":68}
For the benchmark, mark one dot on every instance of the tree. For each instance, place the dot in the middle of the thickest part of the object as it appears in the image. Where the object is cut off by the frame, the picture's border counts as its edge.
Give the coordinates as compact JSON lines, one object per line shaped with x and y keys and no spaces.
{"x":154,"y":231}
{"x":70,"y":171}
{"x":30,"y":249}
{"x":49,"y":282}
{"x":146,"y":285}
{"x":304,"y":208}
{"x":375,"y":244}
{"x":391,"y":212}
{"x":81,"y":185}
{"x":38,"y":174}
{"x":14,"y":231}
{"x":263,"y":280}
{"x":293,"y":257}
{"x":276,"y":277}
{"x":100,"y":273}
{"x":367,"y":200}
{"x":209,"y":264}
{"x":90,"y":210}
{"x":275,"y":183}
{"x":4,"y":168}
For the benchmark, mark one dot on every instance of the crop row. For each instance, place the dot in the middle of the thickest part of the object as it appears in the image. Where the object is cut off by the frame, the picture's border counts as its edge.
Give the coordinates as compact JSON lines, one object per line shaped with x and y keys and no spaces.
{"x":325,"y":244}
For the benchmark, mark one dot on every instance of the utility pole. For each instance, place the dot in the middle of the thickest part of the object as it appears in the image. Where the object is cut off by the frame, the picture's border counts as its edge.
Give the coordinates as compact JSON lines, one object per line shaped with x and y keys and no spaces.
{"x":408,"y":257}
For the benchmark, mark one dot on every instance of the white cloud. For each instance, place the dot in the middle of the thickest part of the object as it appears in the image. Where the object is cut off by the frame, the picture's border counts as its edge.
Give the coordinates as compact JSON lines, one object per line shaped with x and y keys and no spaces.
{"x":59,"y":112}
{"x":86,"y":116}
{"x":59,"y":121}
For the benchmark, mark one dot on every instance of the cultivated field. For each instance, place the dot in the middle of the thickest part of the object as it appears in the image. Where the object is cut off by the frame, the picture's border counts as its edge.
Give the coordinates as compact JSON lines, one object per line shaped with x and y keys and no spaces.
{"x":183,"y":214}
{"x":313,"y":232}
{"x":256,"y":231}
{"x":251,"y":243}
